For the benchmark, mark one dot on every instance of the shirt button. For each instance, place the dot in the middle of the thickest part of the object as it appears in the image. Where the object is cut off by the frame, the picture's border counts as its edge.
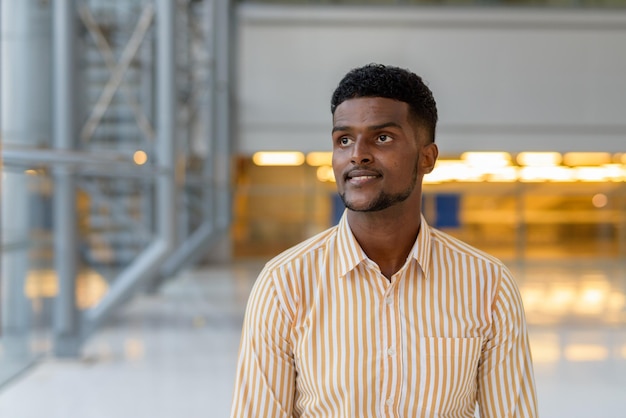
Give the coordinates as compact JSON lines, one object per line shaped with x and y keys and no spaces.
{"x":389,"y":402}
{"x":389,"y":301}
{"x":391,"y":351}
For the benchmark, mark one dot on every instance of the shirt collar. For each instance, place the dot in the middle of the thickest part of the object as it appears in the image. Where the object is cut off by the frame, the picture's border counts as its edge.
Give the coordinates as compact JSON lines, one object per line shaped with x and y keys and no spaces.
{"x":351,"y":254}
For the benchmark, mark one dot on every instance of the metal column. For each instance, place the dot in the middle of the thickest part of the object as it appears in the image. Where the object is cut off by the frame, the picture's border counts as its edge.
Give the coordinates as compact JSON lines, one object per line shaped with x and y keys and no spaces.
{"x":26,"y":90}
{"x":216,"y":195}
{"x":65,"y":320}
{"x":148,"y":263}
{"x":224,"y":118}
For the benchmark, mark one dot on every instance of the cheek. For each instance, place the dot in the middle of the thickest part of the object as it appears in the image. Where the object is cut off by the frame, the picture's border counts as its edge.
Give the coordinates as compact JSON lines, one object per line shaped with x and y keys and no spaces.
{"x":336,"y":165}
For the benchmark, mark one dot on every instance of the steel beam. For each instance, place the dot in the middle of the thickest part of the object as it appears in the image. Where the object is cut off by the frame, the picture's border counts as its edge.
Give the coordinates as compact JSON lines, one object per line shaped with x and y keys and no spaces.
{"x":216,"y":194}
{"x":25,"y":121}
{"x":65,"y":326}
{"x":147,"y":265}
{"x":224,"y":57}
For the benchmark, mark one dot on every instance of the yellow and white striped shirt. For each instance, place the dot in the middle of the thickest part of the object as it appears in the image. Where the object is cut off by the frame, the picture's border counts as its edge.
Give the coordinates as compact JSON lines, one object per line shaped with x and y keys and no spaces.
{"x":327,"y":335}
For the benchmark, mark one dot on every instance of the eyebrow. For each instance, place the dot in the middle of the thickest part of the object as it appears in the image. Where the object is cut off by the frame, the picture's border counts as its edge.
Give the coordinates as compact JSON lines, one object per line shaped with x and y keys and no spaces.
{"x":371,"y":128}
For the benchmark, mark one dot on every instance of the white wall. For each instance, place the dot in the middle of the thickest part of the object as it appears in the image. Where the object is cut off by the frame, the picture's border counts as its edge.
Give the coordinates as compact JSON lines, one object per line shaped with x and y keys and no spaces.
{"x":504,"y":79}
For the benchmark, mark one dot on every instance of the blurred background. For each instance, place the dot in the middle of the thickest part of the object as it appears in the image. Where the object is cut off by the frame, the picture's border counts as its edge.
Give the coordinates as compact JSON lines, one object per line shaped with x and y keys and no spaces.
{"x":155,"y":153}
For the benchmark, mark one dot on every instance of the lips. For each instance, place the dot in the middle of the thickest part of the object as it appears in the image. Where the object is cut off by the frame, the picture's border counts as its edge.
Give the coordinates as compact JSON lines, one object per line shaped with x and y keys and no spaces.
{"x":360,"y":176}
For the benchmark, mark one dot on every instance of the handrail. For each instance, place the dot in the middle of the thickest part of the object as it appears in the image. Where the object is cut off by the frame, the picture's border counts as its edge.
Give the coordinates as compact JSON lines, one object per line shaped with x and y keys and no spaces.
{"x":85,"y":163}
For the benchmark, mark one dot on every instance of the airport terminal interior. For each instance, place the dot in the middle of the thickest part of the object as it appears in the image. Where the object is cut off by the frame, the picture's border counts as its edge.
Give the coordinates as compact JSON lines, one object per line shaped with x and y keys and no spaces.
{"x":140,"y":197}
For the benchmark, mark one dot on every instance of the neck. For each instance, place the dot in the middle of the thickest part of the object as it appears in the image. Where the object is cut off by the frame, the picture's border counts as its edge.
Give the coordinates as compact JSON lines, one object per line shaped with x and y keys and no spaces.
{"x":386,"y":236}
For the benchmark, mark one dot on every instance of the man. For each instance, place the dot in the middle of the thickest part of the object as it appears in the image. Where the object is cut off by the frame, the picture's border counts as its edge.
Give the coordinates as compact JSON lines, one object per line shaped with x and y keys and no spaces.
{"x":382,"y":315}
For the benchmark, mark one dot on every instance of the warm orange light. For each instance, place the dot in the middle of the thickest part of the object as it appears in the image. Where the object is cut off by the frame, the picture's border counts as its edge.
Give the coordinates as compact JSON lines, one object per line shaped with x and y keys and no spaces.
{"x":487,"y":160}
{"x":453,"y":170}
{"x":279,"y":158}
{"x":140,"y":157}
{"x":592,"y":174}
{"x":586,"y":352}
{"x":599,"y":200}
{"x":504,"y":174}
{"x":546,"y":173}
{"x":317,"y":159}
{"x":325,"y":173}
{"x":586,"y":158}
{"x":539,"y":159}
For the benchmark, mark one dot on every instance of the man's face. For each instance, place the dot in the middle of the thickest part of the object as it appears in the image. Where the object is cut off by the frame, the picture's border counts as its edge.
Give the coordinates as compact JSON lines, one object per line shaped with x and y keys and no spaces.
{"x":379,"y":157}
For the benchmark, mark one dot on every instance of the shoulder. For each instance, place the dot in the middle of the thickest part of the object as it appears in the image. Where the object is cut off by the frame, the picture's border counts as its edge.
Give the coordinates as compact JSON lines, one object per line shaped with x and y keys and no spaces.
{"x":472,"y":265}
{"x":284,"y":276}
{"x":442,"y":241}
{"x":301,"y":251}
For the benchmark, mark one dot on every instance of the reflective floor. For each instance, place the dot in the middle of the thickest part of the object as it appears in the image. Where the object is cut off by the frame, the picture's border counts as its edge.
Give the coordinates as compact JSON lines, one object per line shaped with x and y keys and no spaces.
{"x":173,"y":354}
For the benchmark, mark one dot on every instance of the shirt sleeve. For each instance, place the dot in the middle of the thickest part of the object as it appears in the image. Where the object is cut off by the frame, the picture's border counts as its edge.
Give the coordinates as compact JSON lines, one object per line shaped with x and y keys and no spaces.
{"x":506,"y":385}
{"x":265,"y":380}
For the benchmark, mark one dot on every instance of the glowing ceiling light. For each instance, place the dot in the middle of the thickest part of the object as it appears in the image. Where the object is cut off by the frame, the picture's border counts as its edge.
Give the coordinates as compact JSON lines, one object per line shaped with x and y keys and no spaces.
{"x":140,"y":157}
{"x":504,"y":174}
{"x":574,"y":159}
{"x":487,"y":159}
{"x":540,"y":174}
{"x":317,"y":159}
{"x":539,"y":159}
{"x":615,"y":172}
{"x":279,"y":158}
{"x":591,"y":174}
{"x":453,"y":170}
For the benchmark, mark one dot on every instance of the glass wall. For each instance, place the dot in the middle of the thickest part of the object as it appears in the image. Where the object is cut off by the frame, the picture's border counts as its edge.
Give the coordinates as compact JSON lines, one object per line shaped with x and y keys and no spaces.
{"x":548,"y":208}
{"x":116,"y":160}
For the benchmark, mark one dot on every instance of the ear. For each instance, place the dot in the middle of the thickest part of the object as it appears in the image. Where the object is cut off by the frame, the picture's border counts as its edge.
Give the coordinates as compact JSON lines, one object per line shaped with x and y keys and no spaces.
{"x":429,"y":154}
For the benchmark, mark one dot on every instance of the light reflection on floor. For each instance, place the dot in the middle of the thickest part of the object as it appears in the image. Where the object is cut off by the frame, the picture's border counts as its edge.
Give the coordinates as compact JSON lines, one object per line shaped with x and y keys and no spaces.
{"x":173,"y":353}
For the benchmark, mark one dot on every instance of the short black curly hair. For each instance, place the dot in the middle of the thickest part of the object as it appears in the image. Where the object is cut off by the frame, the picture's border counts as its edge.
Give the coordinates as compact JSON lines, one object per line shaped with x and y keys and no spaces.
{"x":378,"y":80}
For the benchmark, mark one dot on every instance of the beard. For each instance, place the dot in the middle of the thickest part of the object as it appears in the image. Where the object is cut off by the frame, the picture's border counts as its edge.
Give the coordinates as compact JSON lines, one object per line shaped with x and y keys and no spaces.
{"x":384,"y":200}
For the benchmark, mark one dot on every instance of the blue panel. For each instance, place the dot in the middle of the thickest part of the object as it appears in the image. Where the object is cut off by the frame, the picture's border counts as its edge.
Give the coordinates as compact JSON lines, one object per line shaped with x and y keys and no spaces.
{"x":447,"y":208}
{"x":338,"y":209}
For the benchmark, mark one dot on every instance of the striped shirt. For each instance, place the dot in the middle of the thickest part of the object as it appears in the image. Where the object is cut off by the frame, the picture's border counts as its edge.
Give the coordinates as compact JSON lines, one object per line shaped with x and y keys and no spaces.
{"x":327,"y":335}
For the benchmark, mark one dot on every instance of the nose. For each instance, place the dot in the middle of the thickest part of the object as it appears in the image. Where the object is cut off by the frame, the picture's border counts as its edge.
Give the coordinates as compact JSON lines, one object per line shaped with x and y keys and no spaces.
{"x":361,"y":153}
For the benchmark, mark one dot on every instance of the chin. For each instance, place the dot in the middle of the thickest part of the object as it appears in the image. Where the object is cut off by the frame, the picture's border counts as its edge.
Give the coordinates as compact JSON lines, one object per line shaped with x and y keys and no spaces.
{"x":362,"y":206}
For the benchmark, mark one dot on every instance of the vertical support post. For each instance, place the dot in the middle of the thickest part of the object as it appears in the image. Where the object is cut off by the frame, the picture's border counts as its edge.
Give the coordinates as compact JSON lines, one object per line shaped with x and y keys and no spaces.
{"x":146,"y":54}
{"x":213,"y":232}
{"x":223,"y":119}
{"x":166,"y":151}
{"x":208,"y":169}
{"x":184,"y":60}
{"x":146,"y":266}
{"x":25,"y":91}
{"x":65,"y":320}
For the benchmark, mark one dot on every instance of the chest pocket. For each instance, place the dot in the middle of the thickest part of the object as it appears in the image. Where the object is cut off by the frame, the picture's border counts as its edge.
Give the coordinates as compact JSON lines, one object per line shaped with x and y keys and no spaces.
{"x":448,"y":373}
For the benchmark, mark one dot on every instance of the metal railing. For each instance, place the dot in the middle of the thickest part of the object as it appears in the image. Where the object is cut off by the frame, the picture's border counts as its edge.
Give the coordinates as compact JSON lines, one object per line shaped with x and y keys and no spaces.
{"x":133,"y":223}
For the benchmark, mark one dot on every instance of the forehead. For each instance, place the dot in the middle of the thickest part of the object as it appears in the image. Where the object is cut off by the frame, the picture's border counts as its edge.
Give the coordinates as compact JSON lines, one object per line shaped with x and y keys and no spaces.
{"x":368,"y":111}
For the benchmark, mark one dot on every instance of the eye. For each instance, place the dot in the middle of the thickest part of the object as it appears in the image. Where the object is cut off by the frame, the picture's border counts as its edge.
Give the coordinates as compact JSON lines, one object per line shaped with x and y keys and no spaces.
{"x":344,"y":140}
{"x":384,"y":138}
